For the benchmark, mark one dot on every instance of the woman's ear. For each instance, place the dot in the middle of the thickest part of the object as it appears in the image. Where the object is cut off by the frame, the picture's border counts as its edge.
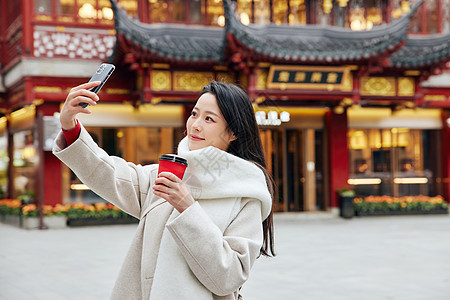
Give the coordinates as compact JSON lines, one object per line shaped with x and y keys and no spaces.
{"x":232,"y":137}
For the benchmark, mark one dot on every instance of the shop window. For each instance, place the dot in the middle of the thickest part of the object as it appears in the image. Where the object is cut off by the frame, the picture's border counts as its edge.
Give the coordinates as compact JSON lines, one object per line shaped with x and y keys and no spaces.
{"x":131,"y":6}
{"x":280,"y":9}
{"x":445,"y":22}
{"x":195,"y":12}
{"x":158,"y":10}
{"x":214,"y":13}
{"x":291,"y":12}
{"x":426,"y":19}
{"x":177,"y":11}
{"x":432,"y":17}
{"x":364,"y":15}
{"x":394,"y":162}
{"x":65,"y":7}
{"x":354,"y":14}
{"x":180,"y":11}
{"x":297,"y":12}
{"x":261,"y":12}
{"x":43,"y":7}
{"x":81,"y":11}
{"x":244,"y":11}
{"x":25,"y":160}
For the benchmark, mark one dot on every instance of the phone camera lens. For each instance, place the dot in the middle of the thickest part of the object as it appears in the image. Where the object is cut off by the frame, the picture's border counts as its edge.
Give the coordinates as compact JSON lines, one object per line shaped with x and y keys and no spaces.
{"x":100,"y":69}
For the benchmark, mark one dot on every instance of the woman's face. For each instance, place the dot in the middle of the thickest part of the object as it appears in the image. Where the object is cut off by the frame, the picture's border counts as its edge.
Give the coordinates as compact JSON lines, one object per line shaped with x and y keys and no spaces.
{"x":206,"y":126}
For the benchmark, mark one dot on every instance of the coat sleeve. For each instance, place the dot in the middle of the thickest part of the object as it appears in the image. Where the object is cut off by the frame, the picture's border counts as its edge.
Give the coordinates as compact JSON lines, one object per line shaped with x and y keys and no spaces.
{"x":123,"y":184}
{"x":220,"y":261}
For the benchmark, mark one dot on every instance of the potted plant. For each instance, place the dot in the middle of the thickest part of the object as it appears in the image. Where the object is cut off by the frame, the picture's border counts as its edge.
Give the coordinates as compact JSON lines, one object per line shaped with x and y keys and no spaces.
{"x":346,"y":196}
{"x":405,"y":205}
{"x":53,"y":216}
{"x":83,"y":214}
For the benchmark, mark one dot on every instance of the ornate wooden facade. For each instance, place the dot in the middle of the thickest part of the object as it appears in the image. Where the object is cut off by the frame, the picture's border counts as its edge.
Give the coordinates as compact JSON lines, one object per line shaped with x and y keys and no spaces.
{"x":297,"y":66}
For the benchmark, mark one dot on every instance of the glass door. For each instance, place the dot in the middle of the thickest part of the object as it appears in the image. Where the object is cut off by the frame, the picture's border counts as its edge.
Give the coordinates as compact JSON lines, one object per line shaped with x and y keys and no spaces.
{"x":295,"y":159}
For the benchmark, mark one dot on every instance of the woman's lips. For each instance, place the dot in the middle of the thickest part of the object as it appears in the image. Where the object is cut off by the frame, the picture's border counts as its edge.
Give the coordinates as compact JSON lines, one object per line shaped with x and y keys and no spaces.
{"x":196,"y":138}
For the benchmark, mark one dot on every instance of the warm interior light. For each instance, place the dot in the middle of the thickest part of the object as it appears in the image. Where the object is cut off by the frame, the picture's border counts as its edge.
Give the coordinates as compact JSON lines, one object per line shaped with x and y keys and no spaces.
{"x":360,"y":181}
{"x":107,"y":13}
{"x":357,"y":25}
{"x":245,"y":19}
{"x":87,"y":11}
{"x":79,"y":187}
{"x":2,"y":122}
{"x":412,"y":180}
{"x":221,"y":21}
{"x":28,"y":152}
{"x":405,"y":7}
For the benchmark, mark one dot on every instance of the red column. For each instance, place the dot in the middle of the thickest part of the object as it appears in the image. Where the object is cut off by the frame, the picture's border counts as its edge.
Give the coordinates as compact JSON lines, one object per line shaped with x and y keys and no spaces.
{"x":27,"y":29}
{"x":252,"y":83}
{"x":445,"y":155}
{"x":338,"y":159}
{"x":52,"y":166}
{"x":3,"y":32}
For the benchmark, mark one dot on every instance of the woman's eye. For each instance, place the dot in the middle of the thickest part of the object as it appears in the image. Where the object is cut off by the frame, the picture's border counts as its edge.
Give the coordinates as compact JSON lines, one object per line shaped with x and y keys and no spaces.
{"x":209,"y":119}
{"x":193,"y":113}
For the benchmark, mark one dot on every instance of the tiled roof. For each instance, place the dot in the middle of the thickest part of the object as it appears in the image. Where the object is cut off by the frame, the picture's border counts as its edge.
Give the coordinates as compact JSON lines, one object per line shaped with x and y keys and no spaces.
{"x":313,"y":43}
{"x":170,"y":41}
{"x":422,"y":51}
{"x":277,"y":43}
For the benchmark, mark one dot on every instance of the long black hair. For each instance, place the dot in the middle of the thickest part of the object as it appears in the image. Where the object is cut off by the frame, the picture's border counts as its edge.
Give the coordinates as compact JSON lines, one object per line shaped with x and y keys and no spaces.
{"x":236,"y":108}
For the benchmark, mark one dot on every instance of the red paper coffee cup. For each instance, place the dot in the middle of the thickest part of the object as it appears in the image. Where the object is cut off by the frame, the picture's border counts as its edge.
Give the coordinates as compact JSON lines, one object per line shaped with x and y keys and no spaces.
{"x":172,"y":163}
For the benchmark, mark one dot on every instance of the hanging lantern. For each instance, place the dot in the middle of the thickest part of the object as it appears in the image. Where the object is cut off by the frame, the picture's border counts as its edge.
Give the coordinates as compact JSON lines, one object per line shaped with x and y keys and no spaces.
{"x":406,"y":7}
{"x":343,"y":3}
{"x":327,"y":6}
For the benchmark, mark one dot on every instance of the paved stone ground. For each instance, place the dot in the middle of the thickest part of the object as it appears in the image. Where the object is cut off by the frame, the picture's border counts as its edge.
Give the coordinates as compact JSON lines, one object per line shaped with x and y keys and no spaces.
{"x":402,"y":257}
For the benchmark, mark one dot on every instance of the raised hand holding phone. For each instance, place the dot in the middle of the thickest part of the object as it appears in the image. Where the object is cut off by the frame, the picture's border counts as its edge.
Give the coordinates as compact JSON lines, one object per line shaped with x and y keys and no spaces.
{"x":81,"y":96}
{"x":102,"y":74}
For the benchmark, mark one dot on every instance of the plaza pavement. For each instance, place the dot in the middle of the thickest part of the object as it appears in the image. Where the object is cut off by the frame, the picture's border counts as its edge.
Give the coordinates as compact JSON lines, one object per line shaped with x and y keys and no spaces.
{"x":402,"y":257}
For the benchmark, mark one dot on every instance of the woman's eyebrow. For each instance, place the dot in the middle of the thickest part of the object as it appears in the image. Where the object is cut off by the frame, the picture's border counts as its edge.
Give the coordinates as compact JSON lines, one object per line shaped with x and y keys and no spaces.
{"x":208,"y":112}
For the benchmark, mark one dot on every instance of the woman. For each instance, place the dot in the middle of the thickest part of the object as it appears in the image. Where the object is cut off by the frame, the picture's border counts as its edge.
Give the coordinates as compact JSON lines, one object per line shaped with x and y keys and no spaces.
{"x":198,"y":237}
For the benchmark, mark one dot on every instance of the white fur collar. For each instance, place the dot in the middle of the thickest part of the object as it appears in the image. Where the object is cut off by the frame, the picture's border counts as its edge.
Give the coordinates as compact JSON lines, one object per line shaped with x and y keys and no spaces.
{"x":214,"y":174}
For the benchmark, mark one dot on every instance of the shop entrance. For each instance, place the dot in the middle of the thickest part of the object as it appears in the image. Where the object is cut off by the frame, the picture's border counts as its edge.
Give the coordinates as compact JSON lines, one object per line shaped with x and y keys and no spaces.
{"x":295,"y":158}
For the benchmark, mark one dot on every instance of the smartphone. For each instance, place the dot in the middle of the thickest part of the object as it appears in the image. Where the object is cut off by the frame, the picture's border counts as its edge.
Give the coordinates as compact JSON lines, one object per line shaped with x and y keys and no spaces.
{"x":102,"y":74}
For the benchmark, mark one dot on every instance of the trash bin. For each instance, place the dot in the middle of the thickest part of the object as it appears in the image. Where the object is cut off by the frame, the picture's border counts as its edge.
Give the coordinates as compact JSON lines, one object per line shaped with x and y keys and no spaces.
{"x":346,"y":207}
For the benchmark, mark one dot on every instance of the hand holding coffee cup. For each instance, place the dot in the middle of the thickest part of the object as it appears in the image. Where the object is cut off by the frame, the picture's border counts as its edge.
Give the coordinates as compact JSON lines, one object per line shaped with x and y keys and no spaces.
{"x":172,"y":163}
{"x":169,"y":184}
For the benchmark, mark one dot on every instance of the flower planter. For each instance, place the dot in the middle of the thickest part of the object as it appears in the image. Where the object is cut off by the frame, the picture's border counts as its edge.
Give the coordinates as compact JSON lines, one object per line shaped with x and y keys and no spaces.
{"x":50,"y":222}
{"x":436,"y":211}
{"x":101,"y":221}
{"x":11,"y":220}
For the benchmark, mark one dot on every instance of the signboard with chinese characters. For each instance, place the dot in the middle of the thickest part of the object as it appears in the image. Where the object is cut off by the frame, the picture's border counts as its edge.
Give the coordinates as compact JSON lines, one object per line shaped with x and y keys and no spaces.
{"x":309,"y":77}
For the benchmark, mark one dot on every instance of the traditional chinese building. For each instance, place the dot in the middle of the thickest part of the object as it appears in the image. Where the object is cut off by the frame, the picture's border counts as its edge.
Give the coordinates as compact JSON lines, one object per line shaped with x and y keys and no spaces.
{"x":345,"y":92}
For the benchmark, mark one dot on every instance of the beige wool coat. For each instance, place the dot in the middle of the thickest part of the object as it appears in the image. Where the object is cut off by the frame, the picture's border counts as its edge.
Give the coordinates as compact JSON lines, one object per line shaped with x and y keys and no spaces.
{"x":204,"y":253}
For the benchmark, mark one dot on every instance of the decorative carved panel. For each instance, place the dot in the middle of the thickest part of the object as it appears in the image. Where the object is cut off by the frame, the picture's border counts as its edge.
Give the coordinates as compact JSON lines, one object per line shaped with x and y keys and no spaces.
{"x":161,"y":80}
{"x":261,"y":79}
{"x":191,"y":81}
{"x":406,"y":86}
{"x":377,"y":86}
{"x":72,"y":43}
